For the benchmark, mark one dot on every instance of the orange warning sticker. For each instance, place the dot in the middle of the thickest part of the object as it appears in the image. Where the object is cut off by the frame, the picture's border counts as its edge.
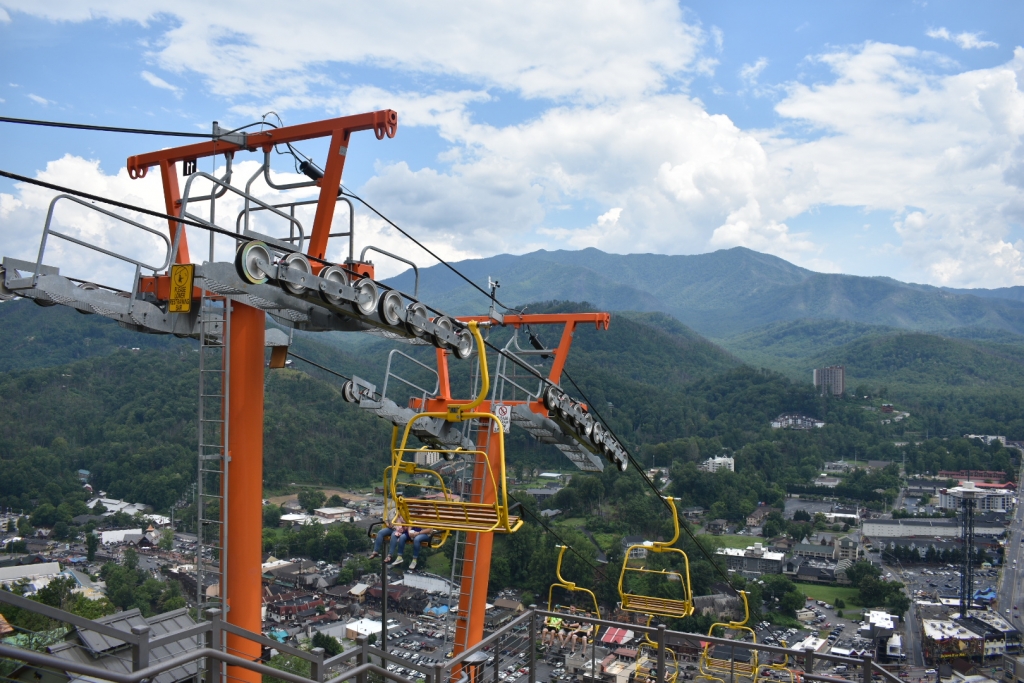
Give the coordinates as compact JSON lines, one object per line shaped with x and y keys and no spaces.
{"x":182,"y":276}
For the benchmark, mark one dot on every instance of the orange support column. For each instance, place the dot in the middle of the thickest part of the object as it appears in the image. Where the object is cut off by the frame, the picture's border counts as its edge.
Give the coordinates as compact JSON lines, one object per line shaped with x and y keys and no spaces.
{"x":476,"y":563}
{"x":245,"y":482}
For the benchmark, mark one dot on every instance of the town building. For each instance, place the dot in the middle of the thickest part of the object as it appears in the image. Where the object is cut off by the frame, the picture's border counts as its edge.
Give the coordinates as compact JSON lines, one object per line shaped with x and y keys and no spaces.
{"x":796,"y":421}
{"x":752,"y":562}
{"x":720,"y":462}
{"x":930,"y":527}
{"x":997,"y":498}
{"x":831,"y":380}
{"x":635,"y":545}
{"x":339,"y":514}
{"x":827,"y":482}
{"x":991,"y":476}
{"x":943,"y":640}
{"x":426,"y":458}
{"x":757,"y":517}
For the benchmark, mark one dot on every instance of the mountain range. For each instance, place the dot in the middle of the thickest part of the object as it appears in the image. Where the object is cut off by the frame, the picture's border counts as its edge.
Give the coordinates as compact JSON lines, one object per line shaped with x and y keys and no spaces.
{"x":719,"y":294}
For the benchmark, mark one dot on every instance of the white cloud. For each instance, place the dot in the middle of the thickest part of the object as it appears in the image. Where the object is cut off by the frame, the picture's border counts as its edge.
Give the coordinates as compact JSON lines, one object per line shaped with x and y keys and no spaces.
{"x":966,"y":41}
{"x":5,"y":18}
{"x":40,"y":100}
{"x":750,"y":72}
{"x":591,"y":51}
{"x":158,"y":82}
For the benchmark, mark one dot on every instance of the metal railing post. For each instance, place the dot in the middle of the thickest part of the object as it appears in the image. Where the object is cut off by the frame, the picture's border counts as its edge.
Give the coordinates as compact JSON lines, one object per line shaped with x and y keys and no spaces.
{"x":438,"y":673}
{"x":140,"y":648}
{"x":316,"y":667}
{"x":809,"y":661}
{"x":867,"y":668}
{"x":533,"y":644}
{"x":214,"y":641}
{"x":363,"y":657}
{"x":660,"y":676}
{"x":497,"y":668}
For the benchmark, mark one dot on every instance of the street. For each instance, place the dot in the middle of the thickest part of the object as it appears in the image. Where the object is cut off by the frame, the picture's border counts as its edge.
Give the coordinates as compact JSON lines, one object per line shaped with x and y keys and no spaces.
{"x":1008,"y":596}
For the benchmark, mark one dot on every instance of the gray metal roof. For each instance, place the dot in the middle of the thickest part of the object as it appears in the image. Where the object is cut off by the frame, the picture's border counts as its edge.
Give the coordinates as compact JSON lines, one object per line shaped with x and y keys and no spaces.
{"x":100,"y":650}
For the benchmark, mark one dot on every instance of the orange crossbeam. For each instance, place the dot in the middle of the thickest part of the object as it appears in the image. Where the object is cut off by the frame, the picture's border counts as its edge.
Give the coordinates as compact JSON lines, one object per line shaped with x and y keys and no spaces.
{"x":382,"y":123}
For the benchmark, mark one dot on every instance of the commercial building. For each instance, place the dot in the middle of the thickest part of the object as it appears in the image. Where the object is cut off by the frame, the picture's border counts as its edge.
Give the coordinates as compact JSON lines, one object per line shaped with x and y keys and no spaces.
{"x":719,"y":463}
{"x":427,"y":458}
{"x":944,"y":640}
{"x":831,"y":380}
{"x":945,"y":528}
{"x":997,"y":498}
{"x":752,"y":562}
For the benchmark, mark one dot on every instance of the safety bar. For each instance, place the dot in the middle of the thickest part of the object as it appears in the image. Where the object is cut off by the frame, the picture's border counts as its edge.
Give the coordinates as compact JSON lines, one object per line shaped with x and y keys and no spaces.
{"x":284,"y":186}
{"x":415,"y":270}
{"x":388,"y":375}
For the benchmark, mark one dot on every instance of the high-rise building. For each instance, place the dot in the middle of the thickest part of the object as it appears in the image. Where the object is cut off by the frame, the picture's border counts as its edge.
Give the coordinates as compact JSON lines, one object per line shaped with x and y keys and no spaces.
{"x":831,"y":381}
{"x":719,"y":463}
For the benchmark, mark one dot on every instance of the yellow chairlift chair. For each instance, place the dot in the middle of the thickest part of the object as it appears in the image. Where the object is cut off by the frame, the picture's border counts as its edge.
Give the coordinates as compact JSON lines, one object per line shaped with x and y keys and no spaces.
{"x":649,"y":604}
{"x":716,"y":668}
{"x":442,"y":511}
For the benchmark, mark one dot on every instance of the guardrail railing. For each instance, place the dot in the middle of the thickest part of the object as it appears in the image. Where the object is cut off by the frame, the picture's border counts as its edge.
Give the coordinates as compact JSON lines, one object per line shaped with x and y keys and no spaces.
{"x":354,"y":664}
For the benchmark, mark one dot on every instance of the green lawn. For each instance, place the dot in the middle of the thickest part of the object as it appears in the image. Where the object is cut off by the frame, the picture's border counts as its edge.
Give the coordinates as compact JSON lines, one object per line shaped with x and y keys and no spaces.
{"x":829,"y":593}
{"x":731,"y":541}
{"x":439,"y":564}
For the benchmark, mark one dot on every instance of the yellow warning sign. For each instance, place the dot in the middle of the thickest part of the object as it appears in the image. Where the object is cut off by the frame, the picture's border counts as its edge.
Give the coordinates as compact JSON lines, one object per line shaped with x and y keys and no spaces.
{"x":182,"y":275}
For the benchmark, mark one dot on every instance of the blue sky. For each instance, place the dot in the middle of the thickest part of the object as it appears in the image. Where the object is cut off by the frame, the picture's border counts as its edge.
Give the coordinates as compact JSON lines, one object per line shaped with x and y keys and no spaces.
{"x":873,"y":138}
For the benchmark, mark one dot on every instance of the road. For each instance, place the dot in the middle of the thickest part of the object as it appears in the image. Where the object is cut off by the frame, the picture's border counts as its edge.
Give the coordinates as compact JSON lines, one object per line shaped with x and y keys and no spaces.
{"x":1009,"y":597}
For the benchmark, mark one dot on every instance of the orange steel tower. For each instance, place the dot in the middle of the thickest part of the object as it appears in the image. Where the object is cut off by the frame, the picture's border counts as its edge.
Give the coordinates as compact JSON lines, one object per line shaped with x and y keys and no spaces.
{"x":242,"y":592}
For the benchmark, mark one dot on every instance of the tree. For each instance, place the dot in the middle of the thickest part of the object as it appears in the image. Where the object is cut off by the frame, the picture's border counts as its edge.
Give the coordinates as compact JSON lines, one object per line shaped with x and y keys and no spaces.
{"x":91,"y":544}
{"x":271,"y":516}
{"x":335,"y":501}
{"x":130,"y":560}
{"x":166,"y":539}
{"x":897,"y":602}
{"x":330,"y":644}
{"x":840,"y":603}
{"x":860,"y":570}
{"x":311,"y":499}
{"x":801,"y":516}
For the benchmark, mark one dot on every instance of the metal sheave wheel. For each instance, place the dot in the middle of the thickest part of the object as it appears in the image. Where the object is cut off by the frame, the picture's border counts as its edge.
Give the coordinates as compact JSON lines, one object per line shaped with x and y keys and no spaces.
{"x":585,"y":426}
{"x":366,"y":295}
{"x":297,"y":263}
{"x":416,"y":319}
{"x":445,"y":324}
{"x":465,"y":347}
{"x":597,"y":434}
{"x":348,"y":392}
{"x":551,"y":395}
{"x":337,"y":275}
{"x":391,"y":308}
{"x":565,"y":408}
{"x":245,"y":262}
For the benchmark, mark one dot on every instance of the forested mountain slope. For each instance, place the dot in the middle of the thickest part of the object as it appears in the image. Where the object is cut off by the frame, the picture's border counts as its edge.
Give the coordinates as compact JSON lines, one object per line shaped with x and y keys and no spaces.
{"x":718,"y":294}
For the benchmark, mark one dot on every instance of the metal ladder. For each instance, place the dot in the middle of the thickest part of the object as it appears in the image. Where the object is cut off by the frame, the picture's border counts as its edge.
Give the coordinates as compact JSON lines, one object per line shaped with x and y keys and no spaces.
{"x":212,"y":480}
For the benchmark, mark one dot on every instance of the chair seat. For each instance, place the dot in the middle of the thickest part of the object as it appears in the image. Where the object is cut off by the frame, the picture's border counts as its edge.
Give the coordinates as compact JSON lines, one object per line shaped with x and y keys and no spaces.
{"x":455,"y":515}
{"x":662,"y":606}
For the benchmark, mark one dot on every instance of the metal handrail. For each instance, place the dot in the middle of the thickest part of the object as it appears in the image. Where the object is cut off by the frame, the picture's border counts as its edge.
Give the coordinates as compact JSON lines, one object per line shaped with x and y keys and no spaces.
{"x":388,"y":374}
{"x":415,"y":270}
{"x":139,"y":265}
{"x":248,"y":197}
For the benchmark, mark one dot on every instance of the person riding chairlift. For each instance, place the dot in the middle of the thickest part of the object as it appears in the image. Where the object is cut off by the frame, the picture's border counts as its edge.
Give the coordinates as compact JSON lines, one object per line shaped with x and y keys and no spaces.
{"x":419,"y":536}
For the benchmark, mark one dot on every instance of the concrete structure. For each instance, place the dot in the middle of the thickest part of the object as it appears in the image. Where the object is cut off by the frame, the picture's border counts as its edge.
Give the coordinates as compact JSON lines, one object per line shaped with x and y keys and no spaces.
{"x":827,"y":482}
{"x":988,"y":439}
{"x":831,"y":380}
{"x":752,"y":562}
{"x":719,"y":463}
